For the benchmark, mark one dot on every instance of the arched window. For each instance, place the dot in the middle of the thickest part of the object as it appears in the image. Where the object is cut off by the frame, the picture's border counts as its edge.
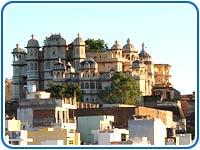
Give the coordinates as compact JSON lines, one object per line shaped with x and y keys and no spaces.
{"x":92,"y":85}
{"x":58,"y":117}
{"x":86,"y":85}
{"x":119,"y":54}
{"x":82,"y":85}
{"x":54,"y":74}
{"x":92,"y":74}
{"x":36,"y":66}
{"x":47,"y":65}
{"x":31,"y":66}
{"x":31,"y":52}
{"x":99,"y":86}
{"x":16,"y":57}
{"x":86,"y":74}
{"x":132,"y":57}
{"x":19,"y":57}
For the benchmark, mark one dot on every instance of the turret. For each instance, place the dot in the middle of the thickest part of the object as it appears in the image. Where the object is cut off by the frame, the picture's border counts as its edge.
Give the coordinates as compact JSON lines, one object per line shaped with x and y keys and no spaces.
{"x":33,"y":63}
{"x":78,"y":52}
{"x":19,"y":74}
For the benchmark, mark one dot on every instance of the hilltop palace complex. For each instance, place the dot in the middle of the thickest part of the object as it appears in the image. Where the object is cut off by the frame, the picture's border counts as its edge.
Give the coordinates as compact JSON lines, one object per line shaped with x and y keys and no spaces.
{"x":60,"y":62}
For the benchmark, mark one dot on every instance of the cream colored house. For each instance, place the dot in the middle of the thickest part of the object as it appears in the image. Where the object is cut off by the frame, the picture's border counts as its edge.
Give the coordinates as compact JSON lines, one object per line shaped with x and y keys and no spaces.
{"x":52,"y":136}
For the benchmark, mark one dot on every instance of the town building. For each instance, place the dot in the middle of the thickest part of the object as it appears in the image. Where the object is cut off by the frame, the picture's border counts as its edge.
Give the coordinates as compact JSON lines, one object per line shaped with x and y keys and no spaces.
{"x":88,"y":123}
{"x":126,"y":112}
{"x":184,"y":139}
{"x":41,"y":110}
{"x":58,"y":61}
{"x":153,"y":129}
{"x":38,"y":115}
{"x":110,"y":136}
{"x":53,"y":136}
{"x":188,"y":104}
{"x":14,"y":134}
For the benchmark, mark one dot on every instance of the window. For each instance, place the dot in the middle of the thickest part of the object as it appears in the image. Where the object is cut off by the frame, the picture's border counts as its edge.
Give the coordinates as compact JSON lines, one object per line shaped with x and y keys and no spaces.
{"x":47,"y":65}
{"x":19,"y":57}
{"x":92,"y":85}
{"x":53,"y":52}
{"x":31,"y":52}
{"x":86,"y":74}
{"x":99,"y":86}
{"x":123,"y":137}
{"x":52,"y":63}
{"x":31,"y":66}
{"x":77,"y":64}
{"x":58,"y":117}
{"x":82,"y":85}
{"x":36,"y":66}
{"x":63,"y":113}
{"x":168,"y":96}
{"x":27,"y":66}
{"x":71,"y":142}
{"x":132,"y":57}
{"x":86,"y":85}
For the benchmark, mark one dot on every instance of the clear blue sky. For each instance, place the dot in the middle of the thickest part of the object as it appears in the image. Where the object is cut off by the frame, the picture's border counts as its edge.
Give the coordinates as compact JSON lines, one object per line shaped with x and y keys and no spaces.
{"x":168,"y":31}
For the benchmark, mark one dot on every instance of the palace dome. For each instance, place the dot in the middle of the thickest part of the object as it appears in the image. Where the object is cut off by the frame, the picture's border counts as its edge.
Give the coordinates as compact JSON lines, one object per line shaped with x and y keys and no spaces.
{"x":129,"y":46}
{"x":143,"y":53}
{"x":32,"y":42}
{"x":17,"y":49}
{"x":55,"y":39}
{"x":79,"y":41}
{"x":116,"y":46}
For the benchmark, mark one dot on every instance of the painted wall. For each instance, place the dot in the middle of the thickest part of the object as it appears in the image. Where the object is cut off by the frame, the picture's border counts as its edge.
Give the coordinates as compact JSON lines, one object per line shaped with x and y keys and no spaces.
{"x":88,"y":123}
{"x":153,"y":129}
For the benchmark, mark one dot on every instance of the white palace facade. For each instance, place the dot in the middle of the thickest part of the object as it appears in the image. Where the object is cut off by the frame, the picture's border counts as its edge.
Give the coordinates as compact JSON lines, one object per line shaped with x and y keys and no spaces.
{"x":60,"y":62}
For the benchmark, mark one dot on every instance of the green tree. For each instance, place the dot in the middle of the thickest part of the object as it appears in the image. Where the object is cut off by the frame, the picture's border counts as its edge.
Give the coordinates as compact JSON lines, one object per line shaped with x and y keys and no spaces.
{"x":123,"y":90}
{"x":68,"y":90}
{"x":96,"y":45}
{"x":65,"y":90}
{"x":54,"y":89}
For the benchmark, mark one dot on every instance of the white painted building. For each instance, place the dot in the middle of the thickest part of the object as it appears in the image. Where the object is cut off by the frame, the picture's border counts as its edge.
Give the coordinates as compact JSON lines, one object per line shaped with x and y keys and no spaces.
{"x":52,"y":142}
{"x":153,"y":129}
{"x":108,"y":136}
{"x":88,"y":123}
{"x":140,"y":141}
{"x":184,"y":139}
{"x":13,"y":133}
